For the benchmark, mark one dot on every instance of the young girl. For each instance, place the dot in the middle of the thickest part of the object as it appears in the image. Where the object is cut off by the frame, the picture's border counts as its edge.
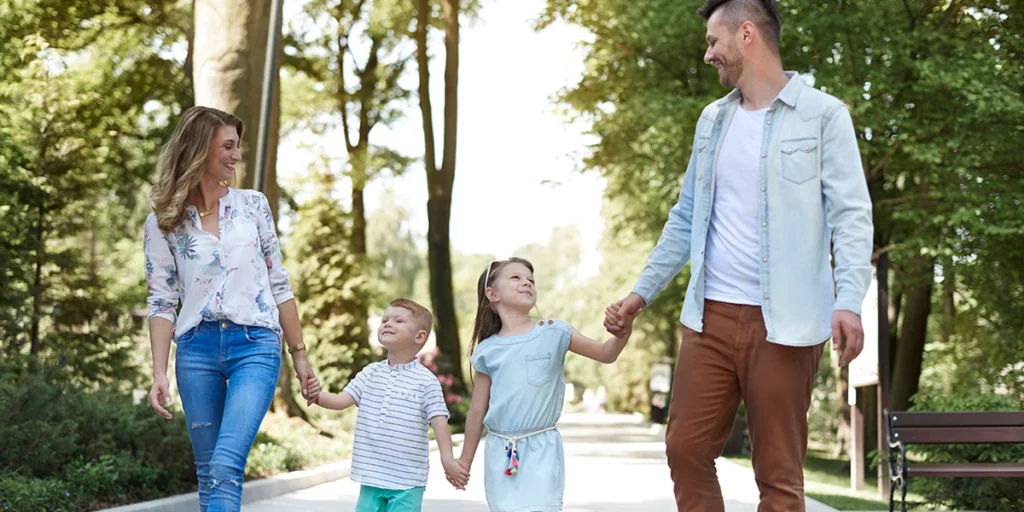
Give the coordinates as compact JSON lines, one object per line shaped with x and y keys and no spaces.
{"x":519,"y":390}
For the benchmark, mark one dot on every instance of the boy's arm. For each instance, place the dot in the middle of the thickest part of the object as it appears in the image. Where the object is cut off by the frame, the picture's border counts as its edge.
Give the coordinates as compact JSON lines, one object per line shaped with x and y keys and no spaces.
{"x":456,"y":474}
{"x":475,"y":418}
{"x":606,"y":352}
{"x":335,"y":401}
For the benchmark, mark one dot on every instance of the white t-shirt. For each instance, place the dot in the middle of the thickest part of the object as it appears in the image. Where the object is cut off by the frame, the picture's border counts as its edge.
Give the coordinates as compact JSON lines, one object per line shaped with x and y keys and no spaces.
{"x":732,"y":260}
{"x":390,"y":449}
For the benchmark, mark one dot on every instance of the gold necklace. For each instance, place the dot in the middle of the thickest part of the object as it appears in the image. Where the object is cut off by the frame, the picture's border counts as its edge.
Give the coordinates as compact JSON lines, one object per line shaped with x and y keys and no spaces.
{"x":206,"y":213}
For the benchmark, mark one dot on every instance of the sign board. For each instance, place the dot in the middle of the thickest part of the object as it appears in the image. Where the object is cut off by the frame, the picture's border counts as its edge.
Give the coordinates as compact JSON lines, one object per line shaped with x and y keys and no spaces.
{"x":864,"y":369}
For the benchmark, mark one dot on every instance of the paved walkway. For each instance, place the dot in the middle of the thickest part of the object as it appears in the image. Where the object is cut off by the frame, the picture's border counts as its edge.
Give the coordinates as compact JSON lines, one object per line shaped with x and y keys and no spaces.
{"x":613,"y":463}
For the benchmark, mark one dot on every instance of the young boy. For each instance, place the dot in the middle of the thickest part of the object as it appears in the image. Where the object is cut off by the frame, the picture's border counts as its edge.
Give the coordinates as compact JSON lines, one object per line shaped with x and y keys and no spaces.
{"x":397,"y":398}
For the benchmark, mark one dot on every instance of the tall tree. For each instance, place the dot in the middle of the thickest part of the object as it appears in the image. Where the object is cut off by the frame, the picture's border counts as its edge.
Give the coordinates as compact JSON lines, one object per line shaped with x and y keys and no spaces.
{"x":439,"y":183}
{"x":229,"y":54}
{"x":84,"y":101}
{"x":354,"y":54}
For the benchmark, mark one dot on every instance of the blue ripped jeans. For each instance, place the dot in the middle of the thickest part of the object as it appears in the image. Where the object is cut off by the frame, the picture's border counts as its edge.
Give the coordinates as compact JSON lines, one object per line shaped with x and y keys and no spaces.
{"x":227,"y":375}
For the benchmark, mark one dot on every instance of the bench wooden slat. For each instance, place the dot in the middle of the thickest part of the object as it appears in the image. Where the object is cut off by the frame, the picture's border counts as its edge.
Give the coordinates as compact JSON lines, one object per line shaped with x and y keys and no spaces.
{"x":967,"y":435}
{"x":958,"y":419}
{"x":966,"y":470}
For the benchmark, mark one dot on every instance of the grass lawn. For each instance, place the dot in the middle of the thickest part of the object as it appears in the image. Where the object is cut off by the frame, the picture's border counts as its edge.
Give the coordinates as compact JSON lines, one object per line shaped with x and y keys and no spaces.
{"x":828,"y":481}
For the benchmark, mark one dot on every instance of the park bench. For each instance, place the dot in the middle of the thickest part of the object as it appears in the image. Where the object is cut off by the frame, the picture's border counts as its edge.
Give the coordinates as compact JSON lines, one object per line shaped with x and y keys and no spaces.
{"x":903,"y":428}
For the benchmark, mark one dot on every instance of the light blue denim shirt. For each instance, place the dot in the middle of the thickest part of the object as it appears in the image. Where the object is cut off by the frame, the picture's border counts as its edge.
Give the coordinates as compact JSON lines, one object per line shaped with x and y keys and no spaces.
{"x":812,"y":193}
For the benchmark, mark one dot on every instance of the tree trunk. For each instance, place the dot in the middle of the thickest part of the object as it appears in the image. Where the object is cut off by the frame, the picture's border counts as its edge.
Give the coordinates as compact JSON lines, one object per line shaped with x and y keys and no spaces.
{"x":230,"y":47}
{"x":948,"y":302}
{"x":190,"y":34}
{"x":918,"y":281}
{"x":439,"y":184}
{"x":843,"y":430}
{"x":37,"y":283}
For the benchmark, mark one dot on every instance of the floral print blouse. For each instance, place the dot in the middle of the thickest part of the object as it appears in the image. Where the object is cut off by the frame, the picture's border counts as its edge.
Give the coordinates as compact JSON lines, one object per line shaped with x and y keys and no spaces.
{"x":238,"y":277}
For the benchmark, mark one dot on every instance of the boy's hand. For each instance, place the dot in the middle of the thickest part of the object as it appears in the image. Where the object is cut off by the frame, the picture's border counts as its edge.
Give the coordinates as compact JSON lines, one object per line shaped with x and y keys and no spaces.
{"x":457,"y":475}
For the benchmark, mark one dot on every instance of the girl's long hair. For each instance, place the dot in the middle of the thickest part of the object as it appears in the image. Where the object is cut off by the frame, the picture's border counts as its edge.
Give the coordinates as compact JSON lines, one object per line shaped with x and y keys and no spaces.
{"x":183,"y":160}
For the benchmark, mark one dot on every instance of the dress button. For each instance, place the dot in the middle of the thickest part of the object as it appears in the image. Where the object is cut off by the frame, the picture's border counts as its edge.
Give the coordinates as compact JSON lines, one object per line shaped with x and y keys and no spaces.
{"x":765,"y":260}
{"x":762,"y":189}
{"x":707,"y":185}
{"x":540,"y":322}
{"x":764,"y":155}
{"x":550,"y":322}
{"x":765,"y":297}
{"x":769,"y":121}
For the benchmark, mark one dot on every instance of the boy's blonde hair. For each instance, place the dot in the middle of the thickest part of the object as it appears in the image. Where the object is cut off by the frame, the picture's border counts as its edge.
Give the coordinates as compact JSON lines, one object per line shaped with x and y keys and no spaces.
{"x":424,"y":318}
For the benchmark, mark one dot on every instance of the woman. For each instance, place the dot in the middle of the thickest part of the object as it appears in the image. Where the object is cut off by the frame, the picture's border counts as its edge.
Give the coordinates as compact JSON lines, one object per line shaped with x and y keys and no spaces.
{"x":214,"y":249}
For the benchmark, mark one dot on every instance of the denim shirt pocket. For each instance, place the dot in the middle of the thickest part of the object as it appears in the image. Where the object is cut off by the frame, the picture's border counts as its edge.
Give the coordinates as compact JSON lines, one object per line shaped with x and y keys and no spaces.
{"x":538,"y":368}
{"x":799,"y":159}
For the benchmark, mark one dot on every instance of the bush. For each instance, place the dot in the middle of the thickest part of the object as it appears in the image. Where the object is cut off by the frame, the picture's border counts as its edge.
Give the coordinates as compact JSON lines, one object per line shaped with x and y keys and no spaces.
{"x":88,"y":448}
{"x":23,"y":493}
{"x":970,"y":493}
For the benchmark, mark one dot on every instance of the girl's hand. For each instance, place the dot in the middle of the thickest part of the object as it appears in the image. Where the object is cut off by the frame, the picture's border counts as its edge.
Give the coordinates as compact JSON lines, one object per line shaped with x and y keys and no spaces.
{"x":456,"y":474}
{"x":160,"y":395}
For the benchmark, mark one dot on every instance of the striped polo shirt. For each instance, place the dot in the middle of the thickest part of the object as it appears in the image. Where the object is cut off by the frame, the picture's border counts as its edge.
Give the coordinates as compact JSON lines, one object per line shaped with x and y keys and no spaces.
{"x":391,"y":448}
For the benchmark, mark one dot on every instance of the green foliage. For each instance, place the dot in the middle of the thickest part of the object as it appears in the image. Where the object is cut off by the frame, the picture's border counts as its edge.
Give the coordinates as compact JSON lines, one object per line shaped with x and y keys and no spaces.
{"x":331,"y":284}
{"x":85,"y":99}
{"x":970,"y":493}
{"x":19,"y":493}
{"x":98,"y":446}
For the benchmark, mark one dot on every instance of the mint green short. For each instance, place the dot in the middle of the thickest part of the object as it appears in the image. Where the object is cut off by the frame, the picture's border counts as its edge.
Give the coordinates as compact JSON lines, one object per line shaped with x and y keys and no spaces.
{"x":375,"y":499}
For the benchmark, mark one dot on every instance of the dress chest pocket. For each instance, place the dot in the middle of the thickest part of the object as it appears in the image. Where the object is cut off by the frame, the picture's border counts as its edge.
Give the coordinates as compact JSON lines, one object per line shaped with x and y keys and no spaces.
{"x":538,"y":368}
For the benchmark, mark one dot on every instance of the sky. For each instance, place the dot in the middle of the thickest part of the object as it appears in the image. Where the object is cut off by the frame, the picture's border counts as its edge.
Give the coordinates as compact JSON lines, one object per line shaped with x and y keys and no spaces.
{"x":517,"y":164}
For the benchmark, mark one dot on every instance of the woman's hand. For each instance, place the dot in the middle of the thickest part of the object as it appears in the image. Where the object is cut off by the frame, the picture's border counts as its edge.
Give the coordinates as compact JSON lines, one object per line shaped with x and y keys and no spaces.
{"x":160,"y":395}
{"x":307,"y":380}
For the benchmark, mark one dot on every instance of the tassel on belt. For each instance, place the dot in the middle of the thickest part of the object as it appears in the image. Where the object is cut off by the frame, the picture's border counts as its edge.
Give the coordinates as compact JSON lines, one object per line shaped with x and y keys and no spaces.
{"x":511,"y":450}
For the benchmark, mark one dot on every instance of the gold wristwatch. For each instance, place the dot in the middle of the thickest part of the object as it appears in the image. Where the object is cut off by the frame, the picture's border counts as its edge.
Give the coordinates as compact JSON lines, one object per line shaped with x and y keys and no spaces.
{"x":296,"y":348}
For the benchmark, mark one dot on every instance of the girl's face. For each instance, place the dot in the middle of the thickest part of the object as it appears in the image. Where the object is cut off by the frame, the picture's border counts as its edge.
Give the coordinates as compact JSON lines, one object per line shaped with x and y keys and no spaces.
{"x":225,"y":152}
{"x":513,"y":287}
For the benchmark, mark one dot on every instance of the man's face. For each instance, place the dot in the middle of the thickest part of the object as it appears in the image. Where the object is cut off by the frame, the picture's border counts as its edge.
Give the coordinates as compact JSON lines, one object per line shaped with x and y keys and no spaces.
{"x":723,"y":51}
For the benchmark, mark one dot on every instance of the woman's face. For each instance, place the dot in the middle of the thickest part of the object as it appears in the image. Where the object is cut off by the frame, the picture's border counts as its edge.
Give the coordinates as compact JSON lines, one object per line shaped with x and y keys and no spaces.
{"x":225,"y":152}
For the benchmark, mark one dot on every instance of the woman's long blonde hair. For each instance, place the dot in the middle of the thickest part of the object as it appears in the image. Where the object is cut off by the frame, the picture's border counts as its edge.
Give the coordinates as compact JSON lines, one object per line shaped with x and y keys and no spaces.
{"x":183,"y":161}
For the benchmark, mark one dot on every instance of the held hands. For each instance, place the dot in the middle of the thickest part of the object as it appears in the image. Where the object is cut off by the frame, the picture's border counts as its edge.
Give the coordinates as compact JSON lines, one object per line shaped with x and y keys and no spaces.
{"x":618,"y":318}
{"x":456,"y":472}
{"x":307,"y":380}
{"x":847,"y":336}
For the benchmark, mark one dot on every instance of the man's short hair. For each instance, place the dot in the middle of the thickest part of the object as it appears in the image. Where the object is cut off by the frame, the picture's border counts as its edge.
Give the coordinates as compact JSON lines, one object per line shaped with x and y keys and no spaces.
{"x":764,"y":14}
{"x":424,"y":318}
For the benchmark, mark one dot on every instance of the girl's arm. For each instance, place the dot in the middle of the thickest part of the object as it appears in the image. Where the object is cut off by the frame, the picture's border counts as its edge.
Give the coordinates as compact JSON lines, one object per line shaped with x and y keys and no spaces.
{"x":606,"y":352}
{"x":475,"y":419}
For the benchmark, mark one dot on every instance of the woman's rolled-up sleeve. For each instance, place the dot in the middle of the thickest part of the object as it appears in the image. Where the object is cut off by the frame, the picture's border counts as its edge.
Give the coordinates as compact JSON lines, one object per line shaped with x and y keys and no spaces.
{"x":161,"y":273}
{"x":271,"y":247}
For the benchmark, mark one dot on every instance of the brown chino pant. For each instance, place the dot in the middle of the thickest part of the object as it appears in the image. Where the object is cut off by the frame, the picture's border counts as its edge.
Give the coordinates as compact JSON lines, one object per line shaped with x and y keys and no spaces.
{"x":732,"y":360}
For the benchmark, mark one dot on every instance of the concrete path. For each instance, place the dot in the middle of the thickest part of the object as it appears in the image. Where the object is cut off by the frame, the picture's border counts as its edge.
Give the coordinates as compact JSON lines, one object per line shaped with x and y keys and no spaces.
{"x":613,"y":463}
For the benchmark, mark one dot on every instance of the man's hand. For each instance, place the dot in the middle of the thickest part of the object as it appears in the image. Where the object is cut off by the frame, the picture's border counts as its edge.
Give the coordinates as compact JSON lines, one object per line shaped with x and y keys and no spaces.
{"x":847,"y":336}
{"x":457,"y":475}
{"x":618,"y":318}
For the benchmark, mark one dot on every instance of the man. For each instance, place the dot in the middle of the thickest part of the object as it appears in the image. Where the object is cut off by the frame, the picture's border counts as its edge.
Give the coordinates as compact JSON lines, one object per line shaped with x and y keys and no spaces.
{"x":774,"y":179}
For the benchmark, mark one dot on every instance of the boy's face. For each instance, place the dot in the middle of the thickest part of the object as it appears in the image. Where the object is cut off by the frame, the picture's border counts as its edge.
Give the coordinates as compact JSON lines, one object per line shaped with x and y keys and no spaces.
{"x":399,"y":329}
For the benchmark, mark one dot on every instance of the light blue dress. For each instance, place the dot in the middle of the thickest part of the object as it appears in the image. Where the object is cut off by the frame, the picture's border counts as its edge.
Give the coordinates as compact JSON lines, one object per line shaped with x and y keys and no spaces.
{"x":527,"y":393}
